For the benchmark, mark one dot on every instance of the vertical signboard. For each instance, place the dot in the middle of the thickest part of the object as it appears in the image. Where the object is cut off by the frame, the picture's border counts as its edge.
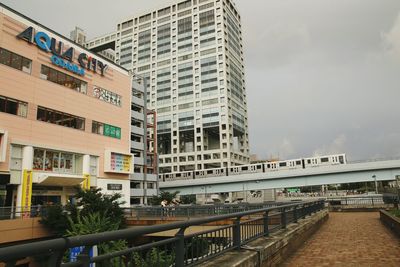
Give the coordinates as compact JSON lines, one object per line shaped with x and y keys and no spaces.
{"x":26,"y":193}
{"x":86,"y":181}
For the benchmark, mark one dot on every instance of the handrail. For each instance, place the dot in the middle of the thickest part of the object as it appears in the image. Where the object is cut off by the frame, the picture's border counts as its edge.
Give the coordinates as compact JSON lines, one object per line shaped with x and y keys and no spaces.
{"x":58,"y":246}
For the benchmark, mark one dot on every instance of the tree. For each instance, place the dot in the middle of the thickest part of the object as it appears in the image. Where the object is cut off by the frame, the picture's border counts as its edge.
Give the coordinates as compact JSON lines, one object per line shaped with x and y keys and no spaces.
{"x":164,"y":195}
{"x":188,"y":199}
{"x":60,"y":219}
{"x":96,"y":223}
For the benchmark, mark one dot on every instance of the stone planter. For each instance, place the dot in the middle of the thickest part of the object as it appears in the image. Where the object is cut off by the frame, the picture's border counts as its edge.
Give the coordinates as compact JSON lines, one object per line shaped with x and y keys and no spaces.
{"x":390,"y":221}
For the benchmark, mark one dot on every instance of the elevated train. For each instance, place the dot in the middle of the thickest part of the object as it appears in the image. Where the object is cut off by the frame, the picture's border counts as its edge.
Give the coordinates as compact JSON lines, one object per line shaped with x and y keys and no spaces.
{"x":302,"y":163}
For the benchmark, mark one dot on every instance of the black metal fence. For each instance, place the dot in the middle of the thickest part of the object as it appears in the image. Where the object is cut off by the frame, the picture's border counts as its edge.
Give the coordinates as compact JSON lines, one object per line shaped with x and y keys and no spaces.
{"x":356,"y":201}
{"x":194,"y":211}
{"x":178,"y":250}
{"x":9,"y":213}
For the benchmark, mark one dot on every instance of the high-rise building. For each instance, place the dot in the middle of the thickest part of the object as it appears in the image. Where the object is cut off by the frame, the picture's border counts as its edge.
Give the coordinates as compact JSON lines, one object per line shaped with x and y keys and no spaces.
{"x":78,"y":35}
{"x":191,"y":54}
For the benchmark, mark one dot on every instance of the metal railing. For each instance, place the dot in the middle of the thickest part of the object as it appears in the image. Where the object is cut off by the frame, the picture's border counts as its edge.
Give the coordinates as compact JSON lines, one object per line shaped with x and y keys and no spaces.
{"x":193,"y":211}
{"x":179,"y":250}
{"x":9,"y":213}
{"x":356,"y":201}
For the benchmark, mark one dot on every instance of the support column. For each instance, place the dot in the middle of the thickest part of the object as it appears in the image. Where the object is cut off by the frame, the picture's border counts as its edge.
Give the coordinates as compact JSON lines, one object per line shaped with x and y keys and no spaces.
{"x":24,"y":190}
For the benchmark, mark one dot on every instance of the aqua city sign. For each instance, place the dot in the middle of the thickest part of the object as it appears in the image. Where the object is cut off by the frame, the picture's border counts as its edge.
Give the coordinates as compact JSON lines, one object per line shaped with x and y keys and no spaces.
{"x":61,"y":57}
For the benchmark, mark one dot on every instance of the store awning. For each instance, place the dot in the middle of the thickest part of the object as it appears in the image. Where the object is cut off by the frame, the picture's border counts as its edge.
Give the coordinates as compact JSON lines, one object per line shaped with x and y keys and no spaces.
{"x":55,"y":179}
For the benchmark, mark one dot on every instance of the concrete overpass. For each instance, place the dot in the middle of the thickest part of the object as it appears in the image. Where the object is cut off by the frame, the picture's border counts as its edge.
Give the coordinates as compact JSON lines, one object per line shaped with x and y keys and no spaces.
{"x":384,"y":170}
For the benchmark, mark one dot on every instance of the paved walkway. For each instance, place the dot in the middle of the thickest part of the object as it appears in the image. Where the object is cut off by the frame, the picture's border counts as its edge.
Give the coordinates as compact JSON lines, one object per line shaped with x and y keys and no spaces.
{"x":349,"y":239}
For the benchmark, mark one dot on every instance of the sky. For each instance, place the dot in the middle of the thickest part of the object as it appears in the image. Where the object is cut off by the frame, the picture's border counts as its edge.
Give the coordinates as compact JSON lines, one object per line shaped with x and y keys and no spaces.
{"x":322,"y":76}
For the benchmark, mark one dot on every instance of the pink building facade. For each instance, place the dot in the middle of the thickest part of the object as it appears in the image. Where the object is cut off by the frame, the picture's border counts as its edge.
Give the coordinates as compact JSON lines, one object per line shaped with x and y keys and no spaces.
{"x":64,"y":117}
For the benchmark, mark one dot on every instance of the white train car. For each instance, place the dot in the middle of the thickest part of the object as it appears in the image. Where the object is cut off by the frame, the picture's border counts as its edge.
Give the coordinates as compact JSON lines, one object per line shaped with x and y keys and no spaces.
{"x":243,"y":169}
{"x":210,"y":173}
{"x":168,"y":177}
{"x":325,"y":160}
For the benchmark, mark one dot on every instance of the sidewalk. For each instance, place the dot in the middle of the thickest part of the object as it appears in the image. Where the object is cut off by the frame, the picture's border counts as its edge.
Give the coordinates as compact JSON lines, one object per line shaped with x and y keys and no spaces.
{"x":349,"y":239}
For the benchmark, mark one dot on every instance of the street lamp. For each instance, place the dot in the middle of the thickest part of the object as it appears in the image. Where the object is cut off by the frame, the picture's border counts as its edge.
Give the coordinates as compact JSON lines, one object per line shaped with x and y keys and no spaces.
{"x":376,"y":184}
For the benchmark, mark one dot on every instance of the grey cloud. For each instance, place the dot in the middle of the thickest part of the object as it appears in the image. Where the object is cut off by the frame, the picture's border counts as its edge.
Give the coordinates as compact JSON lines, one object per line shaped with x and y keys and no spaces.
{"x":321,"y":75}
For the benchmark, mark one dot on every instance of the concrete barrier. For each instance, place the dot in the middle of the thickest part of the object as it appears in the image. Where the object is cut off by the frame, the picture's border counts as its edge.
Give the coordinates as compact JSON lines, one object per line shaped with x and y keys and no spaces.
{"x":390,"y":221}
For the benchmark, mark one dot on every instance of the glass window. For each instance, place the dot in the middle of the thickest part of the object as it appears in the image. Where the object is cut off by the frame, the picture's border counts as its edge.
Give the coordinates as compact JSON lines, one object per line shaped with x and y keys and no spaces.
{"x":38,"y":156}
{"x":60,"y":118}
{"x":56,"y":160}
{"x":69,"y":166}
{"x":15,"y":61}
{"x":48,"y":163}
{"x":63,"y":79}
{"x":13,"y":106}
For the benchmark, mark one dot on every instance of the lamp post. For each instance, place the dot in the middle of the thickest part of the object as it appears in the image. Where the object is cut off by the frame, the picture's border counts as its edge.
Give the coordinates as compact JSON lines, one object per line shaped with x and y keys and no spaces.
{"x":376,"y":184}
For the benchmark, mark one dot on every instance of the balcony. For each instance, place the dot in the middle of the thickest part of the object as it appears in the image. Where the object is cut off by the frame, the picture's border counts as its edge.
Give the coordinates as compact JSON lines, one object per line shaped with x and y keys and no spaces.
{"x":138,"y":161}
{"x":137,"y":86}
{"x":137,"y":130}
{"x":138,"y":101}
{"x":137,"y":145}
{"x":137,"y":192}
{"x":137,"y":115}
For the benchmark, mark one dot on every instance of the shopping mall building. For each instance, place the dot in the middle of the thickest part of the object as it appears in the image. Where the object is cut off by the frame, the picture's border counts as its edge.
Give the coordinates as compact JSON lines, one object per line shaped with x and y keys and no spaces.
{"x":64,"y":117}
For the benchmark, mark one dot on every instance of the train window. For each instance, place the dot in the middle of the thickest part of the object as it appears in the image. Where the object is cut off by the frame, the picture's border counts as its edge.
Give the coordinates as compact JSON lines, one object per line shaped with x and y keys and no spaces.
{"x":324,"y":159}
{"x":309,"y":161}
{"x":268,"y":166}
{"x":298,"y":162}
{"x":282,"y":164}
{"x":245,"y":168}
{"x":178,"y":175}
{"x":209,"y":172}
{"x":258,"y":167}
{"x":341,"y":160}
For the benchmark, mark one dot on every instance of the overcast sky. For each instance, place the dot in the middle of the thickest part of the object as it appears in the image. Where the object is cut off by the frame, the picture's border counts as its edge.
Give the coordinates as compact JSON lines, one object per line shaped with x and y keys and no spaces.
{"x":323,"y":76}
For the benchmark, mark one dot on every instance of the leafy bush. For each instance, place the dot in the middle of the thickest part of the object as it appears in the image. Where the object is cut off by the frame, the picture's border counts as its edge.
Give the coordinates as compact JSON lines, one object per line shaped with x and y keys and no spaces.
{"x":154,"y":257}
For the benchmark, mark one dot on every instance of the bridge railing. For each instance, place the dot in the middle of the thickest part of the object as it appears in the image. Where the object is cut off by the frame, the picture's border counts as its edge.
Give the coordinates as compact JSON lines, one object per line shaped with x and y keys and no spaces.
{"x":356,"y":201}
{"x":9,"y":213}
{"x":179,"y":250}
{"x":193,"y":211}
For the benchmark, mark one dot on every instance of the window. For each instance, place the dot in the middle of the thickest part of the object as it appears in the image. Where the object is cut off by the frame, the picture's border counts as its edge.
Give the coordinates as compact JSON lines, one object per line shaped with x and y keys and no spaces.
{"x":97,"y":127}
{"x":60,"y":118}
{"x":13,"y":106}
{"x":324,"y":159}
{"x":135,"y":185}
{"x":15,"y":61}
{"x":106,"y":129}
{"x":56,"y":161}
{"x":63,"y":79}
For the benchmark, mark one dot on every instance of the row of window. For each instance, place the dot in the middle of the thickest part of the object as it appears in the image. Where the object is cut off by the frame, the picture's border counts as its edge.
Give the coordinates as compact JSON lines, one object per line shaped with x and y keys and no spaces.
{"x":21,"y":63}
{"x":20,"y":108}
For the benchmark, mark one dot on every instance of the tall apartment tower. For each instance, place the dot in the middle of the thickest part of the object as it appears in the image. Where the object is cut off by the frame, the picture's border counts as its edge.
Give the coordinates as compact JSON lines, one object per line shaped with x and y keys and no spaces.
{"x":78,"y":35}
{"x":191,"y":54}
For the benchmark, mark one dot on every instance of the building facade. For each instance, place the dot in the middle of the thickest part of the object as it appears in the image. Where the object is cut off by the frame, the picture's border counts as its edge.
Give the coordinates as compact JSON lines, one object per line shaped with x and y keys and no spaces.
{"x":191,"y":54}
{"x":65,"y":117}
{"x":144,"y":180}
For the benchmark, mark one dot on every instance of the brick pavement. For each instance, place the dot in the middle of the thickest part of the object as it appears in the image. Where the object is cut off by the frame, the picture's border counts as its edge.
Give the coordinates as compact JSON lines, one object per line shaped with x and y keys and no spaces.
{"x":349,"y":239}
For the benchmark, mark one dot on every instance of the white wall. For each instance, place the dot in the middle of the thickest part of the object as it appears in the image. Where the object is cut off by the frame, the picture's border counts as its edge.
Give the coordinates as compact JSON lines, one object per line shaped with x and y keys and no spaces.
{"x":125,"y":192}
